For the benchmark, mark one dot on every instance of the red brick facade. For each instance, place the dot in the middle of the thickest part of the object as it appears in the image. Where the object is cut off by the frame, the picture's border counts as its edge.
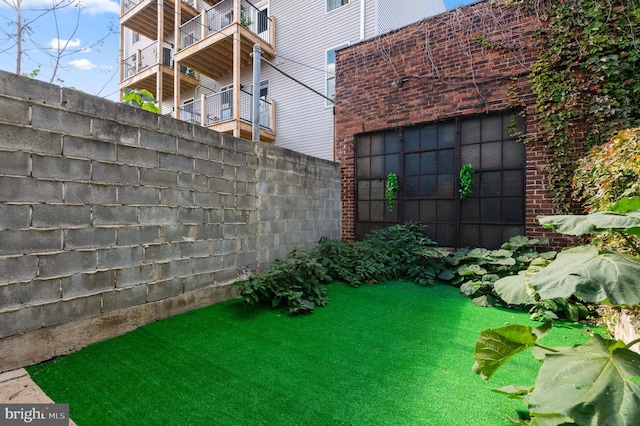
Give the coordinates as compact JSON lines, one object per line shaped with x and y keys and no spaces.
{"x":467,"y":61}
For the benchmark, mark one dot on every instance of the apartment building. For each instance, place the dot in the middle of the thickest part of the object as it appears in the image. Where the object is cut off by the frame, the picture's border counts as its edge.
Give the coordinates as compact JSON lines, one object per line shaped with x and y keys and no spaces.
{"x":196,"y":57}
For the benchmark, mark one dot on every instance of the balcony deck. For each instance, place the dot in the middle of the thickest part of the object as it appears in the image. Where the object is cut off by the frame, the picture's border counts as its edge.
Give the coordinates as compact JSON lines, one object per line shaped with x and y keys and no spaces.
{"x":147,"y":79}
{"x":141,"y":16}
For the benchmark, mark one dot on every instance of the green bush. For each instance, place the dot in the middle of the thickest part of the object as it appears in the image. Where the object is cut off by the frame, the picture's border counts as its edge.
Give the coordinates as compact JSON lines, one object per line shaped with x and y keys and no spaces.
{"x":295,"y":282}
{"x":609,"y":172}
{"x":396,"y":252}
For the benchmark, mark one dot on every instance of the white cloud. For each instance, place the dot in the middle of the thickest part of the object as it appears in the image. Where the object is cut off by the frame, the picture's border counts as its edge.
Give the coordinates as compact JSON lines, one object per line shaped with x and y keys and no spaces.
{"x":57,"y":43}
{"x":91,"y":7}
{"x":82,"y":64}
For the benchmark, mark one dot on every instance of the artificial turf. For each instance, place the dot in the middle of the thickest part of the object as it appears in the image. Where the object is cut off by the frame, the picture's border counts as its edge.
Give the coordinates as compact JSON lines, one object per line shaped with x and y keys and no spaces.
{"x":386,"y":354}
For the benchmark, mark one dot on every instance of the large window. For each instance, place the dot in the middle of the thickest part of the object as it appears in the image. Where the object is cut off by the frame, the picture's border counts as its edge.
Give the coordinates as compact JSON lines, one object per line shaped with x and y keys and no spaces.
{"x":427,"y":159}
{"x":334,"y":4}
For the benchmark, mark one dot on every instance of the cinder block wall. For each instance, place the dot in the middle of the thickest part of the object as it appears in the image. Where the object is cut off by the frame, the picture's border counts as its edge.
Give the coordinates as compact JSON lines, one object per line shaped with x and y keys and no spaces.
{"x":111,"y":217}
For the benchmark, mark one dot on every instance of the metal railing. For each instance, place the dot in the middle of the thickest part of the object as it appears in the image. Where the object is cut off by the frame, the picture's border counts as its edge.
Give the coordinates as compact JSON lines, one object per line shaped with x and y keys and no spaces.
{"x":255,"y":20}
{"x":130,"y":65}
{"x":190,"y":32}
{"x":148,"y":56}
{"x":191,"y":112}
{"x":220,"y":16}
{"x":218,"y":108}
{"x":127,"y":5}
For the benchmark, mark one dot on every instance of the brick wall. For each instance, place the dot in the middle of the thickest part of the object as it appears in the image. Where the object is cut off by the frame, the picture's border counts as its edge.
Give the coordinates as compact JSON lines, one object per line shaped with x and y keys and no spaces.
{"x":471,"y":60}
{"x":111,"y":217}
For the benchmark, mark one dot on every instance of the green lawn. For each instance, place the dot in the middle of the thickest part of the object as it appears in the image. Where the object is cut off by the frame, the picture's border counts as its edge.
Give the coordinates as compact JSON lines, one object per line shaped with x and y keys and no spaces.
{"x":386,"y":354}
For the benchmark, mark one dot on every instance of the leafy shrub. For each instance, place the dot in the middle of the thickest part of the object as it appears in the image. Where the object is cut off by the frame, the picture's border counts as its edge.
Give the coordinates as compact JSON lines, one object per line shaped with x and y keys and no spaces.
{"x":295,"y":282}
{"x":142,"y":99}
{"x":609,"y":172}
{"x":396,"y":252}
{"x":606,"y":386}
{"x":476,"y":270}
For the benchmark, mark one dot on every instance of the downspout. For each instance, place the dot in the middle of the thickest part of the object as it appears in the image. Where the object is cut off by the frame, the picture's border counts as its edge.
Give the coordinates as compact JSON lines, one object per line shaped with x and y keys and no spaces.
{"x":362,"y":12}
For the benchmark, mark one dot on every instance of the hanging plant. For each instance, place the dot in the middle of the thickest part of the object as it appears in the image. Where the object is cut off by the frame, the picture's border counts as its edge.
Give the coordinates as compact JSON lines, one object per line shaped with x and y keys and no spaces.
{"x":390,"y":192}
{"x":466,"y":180}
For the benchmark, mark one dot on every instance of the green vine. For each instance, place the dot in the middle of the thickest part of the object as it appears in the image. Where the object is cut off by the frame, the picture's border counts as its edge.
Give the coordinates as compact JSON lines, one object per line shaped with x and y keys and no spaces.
{"x":466,"y":180}
{"x":390,"y":191}
{"x":587,"y":72}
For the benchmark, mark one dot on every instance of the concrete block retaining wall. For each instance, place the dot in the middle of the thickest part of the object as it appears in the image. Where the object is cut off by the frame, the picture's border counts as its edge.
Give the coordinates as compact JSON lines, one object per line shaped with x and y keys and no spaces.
{"x":111,"y":217}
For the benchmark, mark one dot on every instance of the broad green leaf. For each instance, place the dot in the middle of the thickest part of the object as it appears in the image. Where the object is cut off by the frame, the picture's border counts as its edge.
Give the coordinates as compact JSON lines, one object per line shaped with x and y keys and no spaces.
{"x":514,"y":392}
{"x":592,"y":384}
{"x":593,"y":276}
{"x":496,"y":346}
{"x":551,"y":420}
{"x":485,"y":301}
{"x":626,"y":205}
{"x":595,"y":223}
{"x":512,"y":290}
{"x":447,"y":275}
{"x":471,"y":270}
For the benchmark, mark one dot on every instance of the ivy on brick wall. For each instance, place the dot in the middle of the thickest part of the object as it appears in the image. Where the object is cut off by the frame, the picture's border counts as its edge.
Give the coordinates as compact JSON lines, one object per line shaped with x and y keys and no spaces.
{"x":588,"y":71}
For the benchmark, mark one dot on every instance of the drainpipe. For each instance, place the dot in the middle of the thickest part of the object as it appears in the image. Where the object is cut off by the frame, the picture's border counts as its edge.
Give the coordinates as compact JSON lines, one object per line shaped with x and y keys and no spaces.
{"x":255,"y":109}
{"x":362,"y":12}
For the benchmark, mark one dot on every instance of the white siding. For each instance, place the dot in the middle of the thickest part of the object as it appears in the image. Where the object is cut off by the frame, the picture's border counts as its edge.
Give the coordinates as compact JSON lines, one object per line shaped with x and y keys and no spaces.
{"x":392,"y":14}
{"x":304,"y":32}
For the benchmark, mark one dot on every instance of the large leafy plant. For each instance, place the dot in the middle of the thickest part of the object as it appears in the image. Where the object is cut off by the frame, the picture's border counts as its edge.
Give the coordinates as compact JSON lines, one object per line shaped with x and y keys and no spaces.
{"x":298,"y":282}
{"x":476,"y":271}
{"x":597,"y":383}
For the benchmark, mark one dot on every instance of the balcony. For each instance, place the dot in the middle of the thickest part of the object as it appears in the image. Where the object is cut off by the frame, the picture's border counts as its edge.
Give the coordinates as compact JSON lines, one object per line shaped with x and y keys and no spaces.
{"x":140,"y":70}
{"x":206,"y":42}
{"x":141,"y":16}
{"x":215,"y":111}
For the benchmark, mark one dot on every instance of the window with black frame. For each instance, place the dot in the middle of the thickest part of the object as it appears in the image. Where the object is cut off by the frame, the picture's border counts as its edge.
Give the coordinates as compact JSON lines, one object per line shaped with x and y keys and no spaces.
{"x":427,"y":159}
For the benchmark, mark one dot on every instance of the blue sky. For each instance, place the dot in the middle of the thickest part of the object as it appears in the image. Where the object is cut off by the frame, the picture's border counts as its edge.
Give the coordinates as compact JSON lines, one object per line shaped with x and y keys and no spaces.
{"x":88,"y":67}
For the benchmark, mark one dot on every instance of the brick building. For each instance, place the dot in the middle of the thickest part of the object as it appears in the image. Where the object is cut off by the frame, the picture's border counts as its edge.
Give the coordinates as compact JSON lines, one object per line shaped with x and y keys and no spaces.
{"x":428,"y":98}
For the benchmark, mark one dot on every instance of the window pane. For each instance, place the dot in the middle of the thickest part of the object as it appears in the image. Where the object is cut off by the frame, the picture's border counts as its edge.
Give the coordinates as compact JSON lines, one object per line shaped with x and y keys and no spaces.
{"x":364,"y":168}
{"x":490,"y":208}
{"x":412,"y":139}
{"x":411,"y":211}
{"x":392,"y":142}
{"x":491,"y":155}
{"x":512,"y":183}
{"x":446,"y":161}
{"x":377,"y":144}
{"x":411,"y":186}
{"x":492,"y":129}
{"x":446,"y":135}
{"x":428,"y":186}
{"x":470,"y":210}
{"x":470,"y":132}
{"x":377,"y":166}
{"x":377,"y":189}
{"x":363,"y":146}
{"x":446,"y":211}
{"x":429,"y":162}
{"x":490,"y":184}
{"x":513,"y":154}
{"x":392,"y":164}
{"x":470,"y":154}
{"x":445,"y":185}
{"x":377,"y":211}
{"x":363,"y":190}
{"x":363,"y":210}
{"x":428,"y":137}
{"x":428,"y":211}
{"x":412,"y":164}
{"x":512,"y":210}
